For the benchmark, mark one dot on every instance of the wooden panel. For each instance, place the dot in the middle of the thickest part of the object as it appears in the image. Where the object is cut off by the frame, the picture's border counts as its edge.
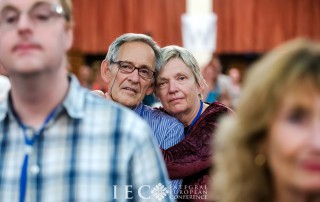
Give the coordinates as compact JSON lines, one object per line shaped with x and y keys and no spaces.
{"x":260,"y":25}
{"x":99,"y":22}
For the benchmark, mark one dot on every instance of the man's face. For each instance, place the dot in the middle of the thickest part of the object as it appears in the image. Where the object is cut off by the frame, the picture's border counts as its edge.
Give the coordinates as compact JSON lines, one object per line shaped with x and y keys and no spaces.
{"x":34,"y":36}
{"x":129,"y":89}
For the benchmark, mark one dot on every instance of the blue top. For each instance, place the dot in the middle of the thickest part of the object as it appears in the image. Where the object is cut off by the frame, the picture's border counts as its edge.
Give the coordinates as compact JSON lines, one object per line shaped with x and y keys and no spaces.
{"x":167,"y":130}
{"x":91,"y":149}
{"x":214,"y":94}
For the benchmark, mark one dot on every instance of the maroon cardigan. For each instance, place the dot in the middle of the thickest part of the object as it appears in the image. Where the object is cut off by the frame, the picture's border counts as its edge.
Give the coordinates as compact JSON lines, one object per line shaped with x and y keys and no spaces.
{"x":191,"y":159}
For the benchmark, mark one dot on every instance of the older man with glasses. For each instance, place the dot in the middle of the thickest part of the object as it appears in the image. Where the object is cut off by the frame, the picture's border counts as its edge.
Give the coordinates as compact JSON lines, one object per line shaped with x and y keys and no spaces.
{"x":58,"y":142}
{"x":129,"y":69}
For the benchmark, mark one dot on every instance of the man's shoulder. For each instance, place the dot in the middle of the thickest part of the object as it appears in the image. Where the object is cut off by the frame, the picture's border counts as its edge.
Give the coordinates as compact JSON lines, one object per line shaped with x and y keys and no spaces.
{"x":163,"y":124}
{"x":98,"y":103}
{"x":159,"y":115}
{"x":107,"y":115}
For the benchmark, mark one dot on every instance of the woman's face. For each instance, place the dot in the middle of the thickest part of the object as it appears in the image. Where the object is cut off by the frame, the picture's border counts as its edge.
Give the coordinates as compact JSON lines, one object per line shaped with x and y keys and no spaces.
{"x":177,"y":88}
{"x":293,"y":143}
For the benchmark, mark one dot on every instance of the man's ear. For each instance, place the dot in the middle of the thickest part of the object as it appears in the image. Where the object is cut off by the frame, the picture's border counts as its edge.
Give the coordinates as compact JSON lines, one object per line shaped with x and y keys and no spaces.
{"x":105,"y":72}
{"x":150,"y":89}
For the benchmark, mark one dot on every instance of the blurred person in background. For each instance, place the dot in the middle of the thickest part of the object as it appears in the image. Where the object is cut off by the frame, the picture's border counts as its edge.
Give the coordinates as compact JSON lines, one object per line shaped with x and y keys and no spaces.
{"x":129,"y":71}
{"x":179,"y":87}
{"x":219,"y":85}
{"x":269,"y":151}
{"x":98,"y":84}
{"x":58,"y":142}
{"x":235,"y":76}
{"x":84,"y":76}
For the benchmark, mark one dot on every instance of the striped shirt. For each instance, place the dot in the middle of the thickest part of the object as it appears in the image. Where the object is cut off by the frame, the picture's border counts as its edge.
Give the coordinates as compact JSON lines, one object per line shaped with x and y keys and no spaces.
{"x":91,"y":150}
{"x":167,"y":130}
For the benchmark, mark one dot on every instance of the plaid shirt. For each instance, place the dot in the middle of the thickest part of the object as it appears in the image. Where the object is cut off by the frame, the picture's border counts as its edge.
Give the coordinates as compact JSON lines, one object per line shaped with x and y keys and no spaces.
{"x":167,"y":130}
{"x":92,"y":150}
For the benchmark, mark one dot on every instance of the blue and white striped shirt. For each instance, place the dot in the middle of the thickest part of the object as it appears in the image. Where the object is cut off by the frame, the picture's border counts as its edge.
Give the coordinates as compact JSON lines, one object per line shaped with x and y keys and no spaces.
{"x":167,"y":130}
{"x":92,"y":150}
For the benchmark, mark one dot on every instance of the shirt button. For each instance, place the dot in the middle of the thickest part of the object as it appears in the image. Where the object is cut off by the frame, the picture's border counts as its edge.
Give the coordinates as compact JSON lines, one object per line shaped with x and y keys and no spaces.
{"x":30,"y":133}
{"x":35,"y":169}
{"x":28,"y":149}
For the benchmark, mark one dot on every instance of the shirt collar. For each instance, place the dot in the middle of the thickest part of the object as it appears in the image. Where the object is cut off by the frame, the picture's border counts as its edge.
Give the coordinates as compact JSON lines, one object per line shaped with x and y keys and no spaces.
{"x":73,"y":102}
{"x":4,"y":107}
{"x":75,"y":98}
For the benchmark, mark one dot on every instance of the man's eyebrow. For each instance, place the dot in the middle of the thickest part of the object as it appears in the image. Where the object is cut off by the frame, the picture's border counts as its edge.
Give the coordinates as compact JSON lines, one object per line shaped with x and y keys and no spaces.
{"x":145,"y":66}
{"x":8,"y":7}
{"x":141,"y":66}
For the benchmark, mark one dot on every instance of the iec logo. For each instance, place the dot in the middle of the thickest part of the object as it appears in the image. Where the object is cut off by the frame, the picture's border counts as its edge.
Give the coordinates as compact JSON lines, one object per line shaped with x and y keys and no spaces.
{"x":159,"y":192}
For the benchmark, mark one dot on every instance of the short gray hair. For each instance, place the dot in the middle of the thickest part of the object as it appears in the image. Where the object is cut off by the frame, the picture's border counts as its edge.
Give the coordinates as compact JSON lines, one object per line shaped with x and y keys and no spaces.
{"x":172,"y":51}
{"x":133,"y":37}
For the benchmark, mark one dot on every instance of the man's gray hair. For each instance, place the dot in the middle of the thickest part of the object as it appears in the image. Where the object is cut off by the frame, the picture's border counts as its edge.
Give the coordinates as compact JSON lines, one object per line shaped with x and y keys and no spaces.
{"x":133,"y":37}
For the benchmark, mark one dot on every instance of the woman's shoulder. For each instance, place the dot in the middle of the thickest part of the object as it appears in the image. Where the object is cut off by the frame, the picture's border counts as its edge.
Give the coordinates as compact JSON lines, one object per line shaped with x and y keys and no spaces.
{"x":217,"y":108}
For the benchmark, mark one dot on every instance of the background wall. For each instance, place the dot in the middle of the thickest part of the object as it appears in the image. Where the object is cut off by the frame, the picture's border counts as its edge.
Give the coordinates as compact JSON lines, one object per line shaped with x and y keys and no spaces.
{"x":99,"y":22}
{"x":256,"y":26}
{"x":246,"y":28}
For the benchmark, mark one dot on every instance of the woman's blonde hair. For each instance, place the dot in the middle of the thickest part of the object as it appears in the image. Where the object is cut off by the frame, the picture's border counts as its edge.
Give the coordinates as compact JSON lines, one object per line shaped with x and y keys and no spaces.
{"x":240,"y":138}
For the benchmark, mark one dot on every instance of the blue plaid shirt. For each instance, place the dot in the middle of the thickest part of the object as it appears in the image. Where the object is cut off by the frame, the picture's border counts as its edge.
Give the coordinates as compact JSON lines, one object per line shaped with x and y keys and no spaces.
{"x":167,"y":130}
{"x":92,"y":150}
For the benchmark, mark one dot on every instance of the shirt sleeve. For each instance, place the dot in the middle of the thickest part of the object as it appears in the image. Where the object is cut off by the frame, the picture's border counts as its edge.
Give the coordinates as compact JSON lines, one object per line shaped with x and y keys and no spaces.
{"x":149,"y":174}
{"x":174,"y":134}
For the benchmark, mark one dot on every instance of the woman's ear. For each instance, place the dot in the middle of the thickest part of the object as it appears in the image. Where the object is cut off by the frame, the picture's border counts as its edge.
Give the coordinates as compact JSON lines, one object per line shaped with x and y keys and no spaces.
{"x":262,"y":153}
{"x":202,"y":87}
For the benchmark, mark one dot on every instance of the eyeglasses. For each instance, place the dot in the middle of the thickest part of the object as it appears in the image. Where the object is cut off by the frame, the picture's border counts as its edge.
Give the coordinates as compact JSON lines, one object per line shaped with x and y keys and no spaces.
{"x":41,"y":13}
{"x":127,"y":68}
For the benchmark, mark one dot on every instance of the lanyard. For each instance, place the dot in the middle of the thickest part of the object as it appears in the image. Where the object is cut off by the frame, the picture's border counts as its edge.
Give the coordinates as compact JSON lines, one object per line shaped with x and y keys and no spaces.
{"x":195,"y":119}
{"x":28,"y":144}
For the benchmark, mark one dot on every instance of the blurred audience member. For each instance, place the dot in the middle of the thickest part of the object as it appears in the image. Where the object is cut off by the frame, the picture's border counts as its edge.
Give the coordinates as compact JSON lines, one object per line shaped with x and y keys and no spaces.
{"x":179,"y":86}
{"x":84,"y":76}
{"x":235,"y":76}
{"x":219,"y":85}
{"x":99,"y":84}
{"x":270,"y":150}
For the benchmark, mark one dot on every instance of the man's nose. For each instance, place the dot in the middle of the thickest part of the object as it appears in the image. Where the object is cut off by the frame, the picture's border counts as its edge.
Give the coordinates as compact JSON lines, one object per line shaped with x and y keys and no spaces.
{"x":24,"y":22}
{"x":134,"y":76}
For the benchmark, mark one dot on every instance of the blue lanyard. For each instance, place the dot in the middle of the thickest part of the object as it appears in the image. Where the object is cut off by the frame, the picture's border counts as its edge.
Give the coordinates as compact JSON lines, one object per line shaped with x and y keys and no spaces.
{"x":196,"y":118}
{"x":28,"y":143}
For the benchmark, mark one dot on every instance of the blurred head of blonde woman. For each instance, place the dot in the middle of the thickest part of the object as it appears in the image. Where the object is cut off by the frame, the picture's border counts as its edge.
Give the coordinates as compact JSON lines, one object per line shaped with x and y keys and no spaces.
{"x":270,"y":150}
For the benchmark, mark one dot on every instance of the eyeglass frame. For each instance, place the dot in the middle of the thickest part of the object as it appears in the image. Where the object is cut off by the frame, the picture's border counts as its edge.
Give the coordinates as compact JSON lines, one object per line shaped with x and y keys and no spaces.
{"x":138,"y":68}
{"x":55,"y":9}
